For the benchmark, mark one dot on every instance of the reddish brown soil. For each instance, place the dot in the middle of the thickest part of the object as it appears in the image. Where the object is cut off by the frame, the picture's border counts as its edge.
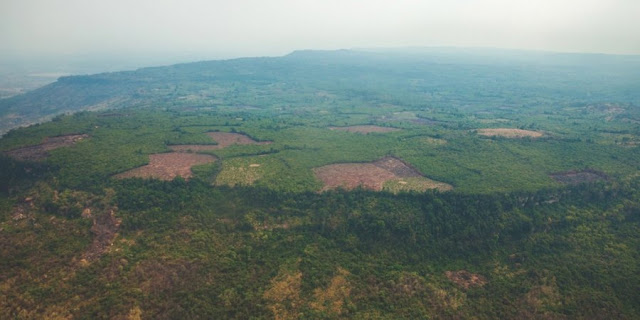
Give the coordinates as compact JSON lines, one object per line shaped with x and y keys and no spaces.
{"x":577,"y":177}
{"x":224,"y":139}
{"x":166,"y":166}
{"x":466,"y":279}
{"x":367,"y":175}
{"x":41,"y":151}
{"x":365,"y":129}
{"x":509,"y":133}
{"x":352,"y":175}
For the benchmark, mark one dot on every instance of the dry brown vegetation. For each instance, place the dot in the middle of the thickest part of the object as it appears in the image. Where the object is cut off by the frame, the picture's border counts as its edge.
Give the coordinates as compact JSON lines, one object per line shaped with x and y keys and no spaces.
{"x":283,"y":295}
{"x":41,"y":151}
{"x":167,"y":166}
{"x":509,"y":133}
{"x":372,"y":175}
{"x":224,"y":139}
{"x":331,"y":300}
{"x":105,"y":226}
{"x":365,"y":129}
{"x":466,"y":279}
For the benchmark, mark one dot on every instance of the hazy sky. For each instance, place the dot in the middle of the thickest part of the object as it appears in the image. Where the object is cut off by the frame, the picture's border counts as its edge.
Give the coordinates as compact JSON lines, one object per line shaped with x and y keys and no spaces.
{"x":216,"y":28}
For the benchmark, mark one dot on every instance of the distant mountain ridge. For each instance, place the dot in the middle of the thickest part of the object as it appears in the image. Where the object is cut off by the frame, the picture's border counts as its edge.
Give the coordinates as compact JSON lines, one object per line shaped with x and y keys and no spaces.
{"x":509,"y":71}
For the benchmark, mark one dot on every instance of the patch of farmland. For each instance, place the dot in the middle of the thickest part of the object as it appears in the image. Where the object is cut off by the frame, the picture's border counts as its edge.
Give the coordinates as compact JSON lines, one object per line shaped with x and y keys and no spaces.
{"x":433,"y":141}
{"x":387,"y":173}
{"x":415,"y":184}
{"x":41,"y":151}
{"x":509,"y":133}
{"x":167,"y":166}
{"x":224,"y":139}
{"x":239,"y":171}
{"x":364,"y":129}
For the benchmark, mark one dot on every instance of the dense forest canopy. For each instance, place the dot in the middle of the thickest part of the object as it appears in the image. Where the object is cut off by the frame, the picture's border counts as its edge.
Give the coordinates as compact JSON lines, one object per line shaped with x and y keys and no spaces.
{"x":367,"y":184}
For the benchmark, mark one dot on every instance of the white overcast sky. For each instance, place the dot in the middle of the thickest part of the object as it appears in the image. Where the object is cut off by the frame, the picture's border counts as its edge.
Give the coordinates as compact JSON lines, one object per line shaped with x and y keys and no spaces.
{"x":219,"y":28}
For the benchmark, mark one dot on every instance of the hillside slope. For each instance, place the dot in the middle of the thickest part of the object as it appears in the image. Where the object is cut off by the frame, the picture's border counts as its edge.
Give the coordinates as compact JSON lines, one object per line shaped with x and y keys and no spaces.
{"x":446,"y":74}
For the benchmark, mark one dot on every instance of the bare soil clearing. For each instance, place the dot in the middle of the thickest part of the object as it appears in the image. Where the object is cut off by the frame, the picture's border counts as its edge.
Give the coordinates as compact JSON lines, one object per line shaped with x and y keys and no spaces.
{"x":167,"y":166}
{"x":374,"y":176}
{"x":365,"y":129}
{"x":105,"y":228}
{"x":466,"y":279}
{"x":577,"y":177}
{"x":351,"y":175}
{"x":509,"y":133}
{"x":41,"y":151}
{"x":224,"y":139}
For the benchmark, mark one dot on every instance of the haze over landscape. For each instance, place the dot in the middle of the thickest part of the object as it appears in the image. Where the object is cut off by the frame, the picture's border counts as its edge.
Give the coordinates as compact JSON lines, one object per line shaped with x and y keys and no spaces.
{"x":198,"y":29}
{"x":42,"y":39}
{"x":248,"y":159}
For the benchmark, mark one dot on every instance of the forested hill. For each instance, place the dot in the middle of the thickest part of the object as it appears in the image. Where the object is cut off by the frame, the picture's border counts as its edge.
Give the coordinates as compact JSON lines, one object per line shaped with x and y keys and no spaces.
{"x":455,"y":76}
{"x":359,"y":184}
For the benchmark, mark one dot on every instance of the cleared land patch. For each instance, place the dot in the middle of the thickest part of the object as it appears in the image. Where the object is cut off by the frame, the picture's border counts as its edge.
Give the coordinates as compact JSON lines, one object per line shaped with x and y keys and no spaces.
{"x":245,"y":171}
{"x":466,"y":279}
{"x":232,"y":175}
{"x":167,"y":166}
{"x":387,"y":173}
{"x":224,"y":139}
{"x":415,"y":184}
{"x":41,"y":151}
{"x":365,"y":129}
{"x":509,"y":133}
{"x":434,"y":141}
{"x":577,"y":177}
